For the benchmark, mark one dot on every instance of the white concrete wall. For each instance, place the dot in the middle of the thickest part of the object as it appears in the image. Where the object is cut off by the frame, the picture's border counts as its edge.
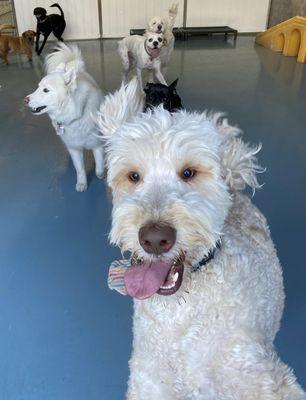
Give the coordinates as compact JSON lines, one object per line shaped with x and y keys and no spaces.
{"x":119,"y":16}
{"x":244,"y":15}
{"x":82,"y":17}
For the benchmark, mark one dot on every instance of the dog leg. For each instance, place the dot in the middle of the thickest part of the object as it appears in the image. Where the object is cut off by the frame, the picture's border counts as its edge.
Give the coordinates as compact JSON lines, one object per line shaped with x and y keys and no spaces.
{"x":159,"y":76}
{"x":78,"y":162}
{"x":58,"y":34}
{"x":29,"y":54}
{"x":138,"y":70}
{"x":99,"y":161}
{"x":126,"y":66}
{"x":150,"y":76}
{"x":4,"y":56}
{"x":42,"y":45}
{"x":164,"y":70}
{"x":246,"y":370}
{"x":37,"y":41}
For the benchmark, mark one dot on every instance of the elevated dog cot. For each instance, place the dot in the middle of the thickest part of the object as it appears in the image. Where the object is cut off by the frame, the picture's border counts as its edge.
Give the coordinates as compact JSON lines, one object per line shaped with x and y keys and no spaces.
{"x":184,"y":33}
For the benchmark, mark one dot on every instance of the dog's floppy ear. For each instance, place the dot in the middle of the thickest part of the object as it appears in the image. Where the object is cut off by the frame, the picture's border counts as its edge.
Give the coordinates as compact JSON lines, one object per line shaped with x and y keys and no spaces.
{"x":238,"y":159}
{"x":174,"y":84}
{"x":120,"y":107}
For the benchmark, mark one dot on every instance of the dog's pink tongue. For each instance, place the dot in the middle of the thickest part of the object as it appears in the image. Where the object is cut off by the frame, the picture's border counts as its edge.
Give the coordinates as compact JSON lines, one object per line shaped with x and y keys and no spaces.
{"x":142,"y":281}
{"x":154,"y":52}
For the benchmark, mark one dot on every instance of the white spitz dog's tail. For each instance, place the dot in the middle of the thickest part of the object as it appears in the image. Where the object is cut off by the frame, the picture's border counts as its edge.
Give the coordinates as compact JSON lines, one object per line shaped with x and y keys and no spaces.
{"x":172,"y":14}
{"x":67,"y":57}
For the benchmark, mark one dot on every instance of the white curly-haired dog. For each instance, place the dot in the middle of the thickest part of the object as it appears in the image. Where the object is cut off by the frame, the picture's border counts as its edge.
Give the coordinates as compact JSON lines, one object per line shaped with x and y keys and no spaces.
{"x":69,"y":95}
{"x":165,"y":26}
{"x":204,"y":274}
{"x":141,"y":52}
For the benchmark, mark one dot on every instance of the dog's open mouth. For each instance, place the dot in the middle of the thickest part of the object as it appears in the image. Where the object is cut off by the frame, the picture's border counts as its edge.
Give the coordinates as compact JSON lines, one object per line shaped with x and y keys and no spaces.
{"x":154,"y":52}
{"x":145,"y":278}
{"x":38,"y":109}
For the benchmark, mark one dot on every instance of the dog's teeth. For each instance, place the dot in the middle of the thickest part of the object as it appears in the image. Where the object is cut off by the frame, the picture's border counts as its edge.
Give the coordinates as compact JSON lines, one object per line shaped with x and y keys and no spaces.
{"x":168,"y":287}
{"x":175,"y":276}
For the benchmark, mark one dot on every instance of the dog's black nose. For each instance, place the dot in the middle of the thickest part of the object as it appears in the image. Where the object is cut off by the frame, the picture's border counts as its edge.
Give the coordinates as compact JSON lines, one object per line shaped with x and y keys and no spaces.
{"x":26,"y":100}
{"x":159,"y":27}
{"x":157,"y":238}
{"x":155,"y":43}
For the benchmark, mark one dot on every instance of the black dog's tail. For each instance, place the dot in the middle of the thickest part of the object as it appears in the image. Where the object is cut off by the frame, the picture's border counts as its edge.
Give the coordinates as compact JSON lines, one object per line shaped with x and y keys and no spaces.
{"x":59,"y":7}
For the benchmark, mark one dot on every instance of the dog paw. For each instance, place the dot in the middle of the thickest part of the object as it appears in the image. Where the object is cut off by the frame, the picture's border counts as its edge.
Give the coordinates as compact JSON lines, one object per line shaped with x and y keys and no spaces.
{"x":100,"y":175}
{"x":81,"y":187}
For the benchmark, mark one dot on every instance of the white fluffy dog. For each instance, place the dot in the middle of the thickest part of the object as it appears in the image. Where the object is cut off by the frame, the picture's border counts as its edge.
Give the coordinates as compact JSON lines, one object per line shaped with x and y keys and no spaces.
{"x":141,"y":52}
{"x":205,"y":276}
{"x":70,"y":95}
{"x":165,"y":26}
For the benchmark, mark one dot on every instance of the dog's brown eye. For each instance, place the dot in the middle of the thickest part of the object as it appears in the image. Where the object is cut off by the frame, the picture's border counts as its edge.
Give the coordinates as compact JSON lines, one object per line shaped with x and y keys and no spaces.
{"x":46,"y":90}
{"x":187,"y":174}
{"x":150,"y":40}
{"x":159,"y":39}
{"x":134,"y":176}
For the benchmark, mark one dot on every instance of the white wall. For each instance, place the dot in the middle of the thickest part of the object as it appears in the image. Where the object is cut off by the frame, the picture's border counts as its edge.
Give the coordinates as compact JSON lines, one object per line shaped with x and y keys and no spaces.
{"x":82,"y":17}
{"x":244,"y":15}
{"x":119,"y":16}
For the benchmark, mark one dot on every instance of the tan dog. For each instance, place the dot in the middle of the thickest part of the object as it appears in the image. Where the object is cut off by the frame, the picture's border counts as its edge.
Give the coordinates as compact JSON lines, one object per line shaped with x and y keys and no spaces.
{"x":19,"y":44}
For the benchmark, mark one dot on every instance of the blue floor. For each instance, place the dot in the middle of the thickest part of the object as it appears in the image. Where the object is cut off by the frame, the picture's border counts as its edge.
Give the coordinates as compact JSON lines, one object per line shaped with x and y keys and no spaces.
{"x":63,"y":334}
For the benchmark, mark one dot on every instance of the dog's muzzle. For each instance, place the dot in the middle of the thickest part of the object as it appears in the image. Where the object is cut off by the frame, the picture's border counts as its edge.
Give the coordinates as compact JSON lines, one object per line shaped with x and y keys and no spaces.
{"x":159,"y":274}
{"x":34,"y":110}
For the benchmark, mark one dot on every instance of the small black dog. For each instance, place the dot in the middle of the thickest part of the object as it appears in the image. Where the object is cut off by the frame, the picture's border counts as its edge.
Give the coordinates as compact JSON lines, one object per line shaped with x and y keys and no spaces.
{"x":48,"y":23}
{"x":157,"y":94}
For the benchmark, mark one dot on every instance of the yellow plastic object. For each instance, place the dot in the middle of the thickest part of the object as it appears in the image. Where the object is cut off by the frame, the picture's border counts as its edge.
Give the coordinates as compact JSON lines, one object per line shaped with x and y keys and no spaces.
{"x":288,"y":37}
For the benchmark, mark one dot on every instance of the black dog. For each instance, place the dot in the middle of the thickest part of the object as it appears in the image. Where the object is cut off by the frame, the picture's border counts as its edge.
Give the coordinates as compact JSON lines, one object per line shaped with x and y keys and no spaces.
{"x":157,"y":94}
{"x":48,"y":23}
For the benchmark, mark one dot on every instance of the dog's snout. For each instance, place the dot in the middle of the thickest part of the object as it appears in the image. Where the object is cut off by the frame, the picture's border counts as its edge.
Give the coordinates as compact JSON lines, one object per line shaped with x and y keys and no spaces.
{"x":159,"y":27}
{"x":157,"y":238}
{"x":26,"y":100}
{"x":155,"y":43}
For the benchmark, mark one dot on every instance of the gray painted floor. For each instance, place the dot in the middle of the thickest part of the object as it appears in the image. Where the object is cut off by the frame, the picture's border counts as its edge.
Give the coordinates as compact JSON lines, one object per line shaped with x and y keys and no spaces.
{"x":63,"y":334}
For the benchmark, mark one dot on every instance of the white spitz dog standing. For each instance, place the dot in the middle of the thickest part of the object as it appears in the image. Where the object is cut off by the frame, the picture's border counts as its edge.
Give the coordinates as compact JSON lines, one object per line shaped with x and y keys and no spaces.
{"x":70,"y":96}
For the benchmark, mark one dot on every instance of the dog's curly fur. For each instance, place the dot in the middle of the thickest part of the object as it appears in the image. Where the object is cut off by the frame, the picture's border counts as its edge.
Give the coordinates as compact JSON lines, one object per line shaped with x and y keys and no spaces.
{"x":213,"y":338}
{"x":165,"y":26}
